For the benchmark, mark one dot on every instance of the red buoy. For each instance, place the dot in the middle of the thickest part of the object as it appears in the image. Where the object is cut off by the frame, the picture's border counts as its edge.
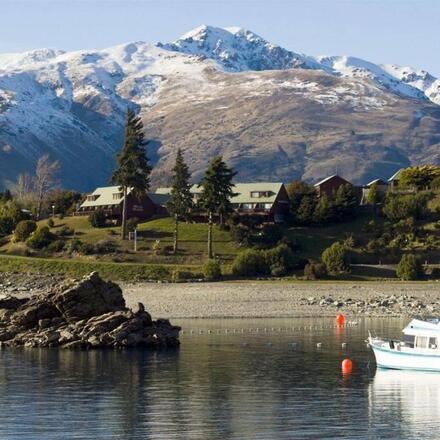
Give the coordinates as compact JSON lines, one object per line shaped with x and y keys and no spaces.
{"x":347,"y":366}
{"x":340,"y":319}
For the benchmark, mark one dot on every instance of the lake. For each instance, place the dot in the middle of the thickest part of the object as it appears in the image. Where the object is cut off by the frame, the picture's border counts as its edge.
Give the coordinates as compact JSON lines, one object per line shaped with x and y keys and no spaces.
{"x":230,"y":379}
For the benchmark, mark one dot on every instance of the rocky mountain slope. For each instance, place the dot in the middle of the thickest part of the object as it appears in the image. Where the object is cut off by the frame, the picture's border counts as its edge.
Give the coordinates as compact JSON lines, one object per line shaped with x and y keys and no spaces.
{"x":272,"y":113}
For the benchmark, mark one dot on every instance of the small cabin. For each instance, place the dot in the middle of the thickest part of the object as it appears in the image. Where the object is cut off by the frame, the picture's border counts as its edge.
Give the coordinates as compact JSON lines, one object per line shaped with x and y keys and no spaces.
{"x":330,"y":185}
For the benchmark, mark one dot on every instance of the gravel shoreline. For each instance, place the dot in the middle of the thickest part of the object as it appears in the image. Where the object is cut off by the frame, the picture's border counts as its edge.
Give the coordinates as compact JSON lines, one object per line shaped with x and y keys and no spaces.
{"x":259,"y":299}
{"x":280,"y":300}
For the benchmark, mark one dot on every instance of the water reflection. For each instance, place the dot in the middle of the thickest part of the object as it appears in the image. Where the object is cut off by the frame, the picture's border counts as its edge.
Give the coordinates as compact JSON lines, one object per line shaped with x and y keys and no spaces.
{"x":410,"y":399}
{"x":214,"y":387}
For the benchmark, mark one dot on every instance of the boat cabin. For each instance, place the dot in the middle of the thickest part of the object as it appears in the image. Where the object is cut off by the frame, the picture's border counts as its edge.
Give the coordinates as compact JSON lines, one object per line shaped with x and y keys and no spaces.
{"x":422,"y":334}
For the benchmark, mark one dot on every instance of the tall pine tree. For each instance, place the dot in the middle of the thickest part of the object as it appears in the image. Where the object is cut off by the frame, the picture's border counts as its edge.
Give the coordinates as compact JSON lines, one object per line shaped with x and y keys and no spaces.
{"x":181,"y":201}
{"x":133,"y":170}
{"x":216,"y":193}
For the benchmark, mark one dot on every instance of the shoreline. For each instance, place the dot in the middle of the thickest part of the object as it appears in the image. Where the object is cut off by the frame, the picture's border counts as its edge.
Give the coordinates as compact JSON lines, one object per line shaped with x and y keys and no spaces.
{"x":255,"y":299}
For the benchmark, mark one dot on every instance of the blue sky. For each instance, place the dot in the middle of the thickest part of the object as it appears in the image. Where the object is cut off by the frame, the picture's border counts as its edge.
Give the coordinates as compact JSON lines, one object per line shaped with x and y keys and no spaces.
{"x":405,"y":32}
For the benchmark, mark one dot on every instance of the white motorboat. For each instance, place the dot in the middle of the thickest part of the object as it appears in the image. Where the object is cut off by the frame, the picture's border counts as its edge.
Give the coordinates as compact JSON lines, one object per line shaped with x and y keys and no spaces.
{"x":419,"y":349}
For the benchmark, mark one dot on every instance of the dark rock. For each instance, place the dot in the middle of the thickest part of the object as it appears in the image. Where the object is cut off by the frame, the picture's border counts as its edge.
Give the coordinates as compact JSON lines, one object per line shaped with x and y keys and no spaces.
{"x":89,"y":297}
{"x":84,"y":314}
{"x":12,"y":303}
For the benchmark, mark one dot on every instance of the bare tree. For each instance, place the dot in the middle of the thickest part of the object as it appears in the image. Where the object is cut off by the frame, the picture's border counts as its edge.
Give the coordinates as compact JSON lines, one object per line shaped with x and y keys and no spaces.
{"x":24,"y":189}
{"x":45,"y":181}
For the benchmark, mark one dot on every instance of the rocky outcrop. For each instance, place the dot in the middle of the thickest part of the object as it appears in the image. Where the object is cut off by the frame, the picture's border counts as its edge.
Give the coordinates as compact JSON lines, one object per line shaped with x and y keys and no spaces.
{"x":89,"y":313}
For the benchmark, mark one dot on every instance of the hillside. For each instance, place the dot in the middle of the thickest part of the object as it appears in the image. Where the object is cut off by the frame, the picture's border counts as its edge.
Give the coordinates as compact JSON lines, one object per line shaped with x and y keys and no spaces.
{"x":272,"y":113}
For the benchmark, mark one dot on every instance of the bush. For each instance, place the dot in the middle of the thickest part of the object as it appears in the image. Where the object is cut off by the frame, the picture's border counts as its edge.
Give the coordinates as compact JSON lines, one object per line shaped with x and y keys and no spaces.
{"x":86,"y":248}
{"x":336,"y":259}
{"x":105,"y":247}
{"x":65,"y":231}
{"x":24,"y":229}
{"x":409,"y":268}
{"x":315,"y":271}
{"x":212,"y":270}
{"x":41,"y":238}
{"x":6,"y":225}
{"x":250,"y":262}
{"x":280,"y":260}
{"x":401,"y":207}
{"x":270,"y":235}
{"x":56,"y":246}
{"x":98,"y":219}
{"x":74,"y":245}
{"x":50,"y":223}
{"x":182,"y":275}
{"x":241,"y":234}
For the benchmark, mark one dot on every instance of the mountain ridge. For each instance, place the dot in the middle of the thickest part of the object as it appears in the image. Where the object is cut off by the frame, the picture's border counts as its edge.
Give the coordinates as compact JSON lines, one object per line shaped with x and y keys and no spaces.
{"x":72,"y":104}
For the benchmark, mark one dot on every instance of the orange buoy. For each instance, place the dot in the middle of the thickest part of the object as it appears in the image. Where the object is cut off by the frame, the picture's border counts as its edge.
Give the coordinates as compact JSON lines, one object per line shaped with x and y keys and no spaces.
{"x":347,"y":366}
{"x":340,"y":319}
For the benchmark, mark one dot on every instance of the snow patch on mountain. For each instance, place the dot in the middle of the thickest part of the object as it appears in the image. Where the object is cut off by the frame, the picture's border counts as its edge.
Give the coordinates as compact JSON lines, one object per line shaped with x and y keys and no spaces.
{"x":236,"y":49}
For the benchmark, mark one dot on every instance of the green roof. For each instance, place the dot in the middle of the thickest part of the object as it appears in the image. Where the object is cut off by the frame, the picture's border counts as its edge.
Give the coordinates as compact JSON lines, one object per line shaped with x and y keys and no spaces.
{"x":243,"y":191}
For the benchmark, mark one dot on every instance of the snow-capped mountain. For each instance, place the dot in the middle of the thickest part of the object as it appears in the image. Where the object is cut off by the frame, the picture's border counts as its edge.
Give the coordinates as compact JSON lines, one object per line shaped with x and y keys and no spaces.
{"x":237,"y":50}
{"x":271,"y":112}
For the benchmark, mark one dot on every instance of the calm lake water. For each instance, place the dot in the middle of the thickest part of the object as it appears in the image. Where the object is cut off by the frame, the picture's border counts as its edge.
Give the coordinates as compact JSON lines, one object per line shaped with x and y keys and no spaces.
{"x":250,"y":385}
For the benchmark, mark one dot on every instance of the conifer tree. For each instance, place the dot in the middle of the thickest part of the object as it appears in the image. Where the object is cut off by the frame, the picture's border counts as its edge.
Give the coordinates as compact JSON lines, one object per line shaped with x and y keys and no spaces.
{"x":180,"y":202}
{"x":133,"y":170}
{"x":216,"y":193}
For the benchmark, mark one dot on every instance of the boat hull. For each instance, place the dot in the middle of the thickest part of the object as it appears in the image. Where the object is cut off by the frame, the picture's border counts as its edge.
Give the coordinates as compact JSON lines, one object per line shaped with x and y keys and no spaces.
{"x":399,"y":360}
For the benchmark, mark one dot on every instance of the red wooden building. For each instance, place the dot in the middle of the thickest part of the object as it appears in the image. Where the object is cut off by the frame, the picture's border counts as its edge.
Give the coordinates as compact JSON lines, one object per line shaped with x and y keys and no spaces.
{"x":109,"y":199}
{"x":330,"y":185}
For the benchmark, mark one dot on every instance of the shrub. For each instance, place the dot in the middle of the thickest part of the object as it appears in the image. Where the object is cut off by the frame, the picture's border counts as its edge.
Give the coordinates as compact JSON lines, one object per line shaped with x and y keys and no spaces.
{"x":50,"y":223}
{"x":97,"y":219}
{"x":409,"y":268}
{"x":24,"y":229}
{"x":271,"y":234}
{"x":56,"y":246}
{"x":41,"y":238}
{"x":336,"y":259}
{"x":65,"y":231}
{"x":6,"y":225}
{"x":250,"y":262}
{"x":280,"y":260}
{"x":105,"y":247}
{"x":241,"y":234}
{"x":86,"y":248}
{"x":315,"y":270}
{"x":182,"y":275}
{"x":74,"y":245}
{"x":293,"y":243}
{"x":212,"y":270}
{"x":400,"y":207}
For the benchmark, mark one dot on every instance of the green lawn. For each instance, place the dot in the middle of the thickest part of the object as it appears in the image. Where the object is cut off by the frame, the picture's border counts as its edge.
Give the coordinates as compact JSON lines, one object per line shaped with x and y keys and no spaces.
{"x":192,"y":241}
{"x":314,"y":240}
{"x":77,"y":268}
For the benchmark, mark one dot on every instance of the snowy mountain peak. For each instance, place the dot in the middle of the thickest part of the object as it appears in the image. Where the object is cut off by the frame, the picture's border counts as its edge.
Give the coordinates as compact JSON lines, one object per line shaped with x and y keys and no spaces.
{"x":236,"y":49}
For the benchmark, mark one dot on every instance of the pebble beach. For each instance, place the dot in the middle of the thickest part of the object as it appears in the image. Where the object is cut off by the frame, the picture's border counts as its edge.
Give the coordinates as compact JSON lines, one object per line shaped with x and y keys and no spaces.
{"x":282,"y":299}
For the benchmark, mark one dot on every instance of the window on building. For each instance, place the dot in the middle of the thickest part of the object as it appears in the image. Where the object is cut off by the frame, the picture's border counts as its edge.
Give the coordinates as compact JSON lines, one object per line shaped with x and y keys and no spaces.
{"x":92,"y":197}
{"x":259,"y":194}
{"x":117,"y":196}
